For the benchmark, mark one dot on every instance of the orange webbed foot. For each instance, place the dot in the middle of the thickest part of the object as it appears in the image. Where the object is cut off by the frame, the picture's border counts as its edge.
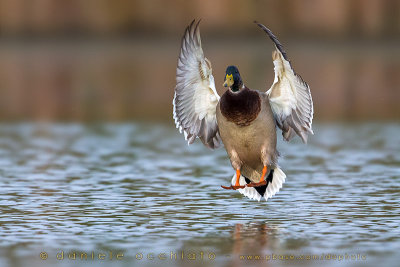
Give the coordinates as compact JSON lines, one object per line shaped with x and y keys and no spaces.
{"x":257,"y":184}
{"x":233,"y":187}
{"x":237,"y":185}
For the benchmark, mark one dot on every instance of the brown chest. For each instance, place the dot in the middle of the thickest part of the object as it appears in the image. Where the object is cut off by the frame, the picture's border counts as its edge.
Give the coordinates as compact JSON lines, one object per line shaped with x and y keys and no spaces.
{"x":240,"y":108}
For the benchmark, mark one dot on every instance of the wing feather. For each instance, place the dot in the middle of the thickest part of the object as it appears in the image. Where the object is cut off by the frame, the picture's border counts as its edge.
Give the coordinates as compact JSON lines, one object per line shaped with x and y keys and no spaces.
{"x":289,"y":96}
{"x":195,"y":99}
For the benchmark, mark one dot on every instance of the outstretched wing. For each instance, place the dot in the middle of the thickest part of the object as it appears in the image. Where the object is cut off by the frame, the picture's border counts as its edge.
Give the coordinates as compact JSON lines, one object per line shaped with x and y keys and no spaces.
{"x":195,"y":98}
{"x":289,"y":95}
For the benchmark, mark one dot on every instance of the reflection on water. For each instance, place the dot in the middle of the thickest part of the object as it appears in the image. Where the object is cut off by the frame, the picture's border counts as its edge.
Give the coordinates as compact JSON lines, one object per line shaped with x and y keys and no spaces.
{"x":138,"y":188}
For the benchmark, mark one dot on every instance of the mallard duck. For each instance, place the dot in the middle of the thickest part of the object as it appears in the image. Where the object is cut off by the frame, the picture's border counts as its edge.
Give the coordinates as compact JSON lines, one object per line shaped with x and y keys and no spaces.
{"x":243,"y":119}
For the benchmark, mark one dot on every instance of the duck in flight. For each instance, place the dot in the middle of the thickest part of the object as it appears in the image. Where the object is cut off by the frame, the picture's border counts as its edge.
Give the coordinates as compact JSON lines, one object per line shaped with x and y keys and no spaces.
{"x":244,"y":120}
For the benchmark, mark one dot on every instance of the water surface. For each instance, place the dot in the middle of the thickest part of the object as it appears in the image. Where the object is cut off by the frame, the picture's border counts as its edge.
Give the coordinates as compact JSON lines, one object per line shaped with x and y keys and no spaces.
{"x":138,"y":189}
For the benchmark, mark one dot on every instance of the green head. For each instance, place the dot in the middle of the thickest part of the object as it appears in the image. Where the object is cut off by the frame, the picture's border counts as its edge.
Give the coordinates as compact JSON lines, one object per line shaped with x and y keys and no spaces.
{"x":232,"y":79}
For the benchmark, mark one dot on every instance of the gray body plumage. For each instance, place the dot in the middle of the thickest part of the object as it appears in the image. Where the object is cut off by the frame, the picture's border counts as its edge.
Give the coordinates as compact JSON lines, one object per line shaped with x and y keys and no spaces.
{"x":249,"y":141}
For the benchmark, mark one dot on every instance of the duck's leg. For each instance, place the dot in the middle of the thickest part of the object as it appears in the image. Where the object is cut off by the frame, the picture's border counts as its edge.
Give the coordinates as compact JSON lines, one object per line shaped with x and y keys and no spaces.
{"x":265,"y":158}
{"x":237,"y":185}
{"x":237,"y":164}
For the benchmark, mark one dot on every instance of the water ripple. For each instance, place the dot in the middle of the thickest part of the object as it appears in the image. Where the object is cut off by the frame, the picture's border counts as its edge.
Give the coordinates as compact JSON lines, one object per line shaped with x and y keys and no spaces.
{"x":137,"y":187}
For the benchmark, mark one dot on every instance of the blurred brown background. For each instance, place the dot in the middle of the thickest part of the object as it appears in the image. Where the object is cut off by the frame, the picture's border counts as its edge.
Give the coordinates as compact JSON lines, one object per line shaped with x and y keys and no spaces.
{"x":115,"y":60}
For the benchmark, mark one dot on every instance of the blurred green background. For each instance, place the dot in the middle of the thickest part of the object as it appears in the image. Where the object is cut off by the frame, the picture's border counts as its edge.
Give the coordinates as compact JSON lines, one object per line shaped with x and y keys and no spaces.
{"x":86,"y":60}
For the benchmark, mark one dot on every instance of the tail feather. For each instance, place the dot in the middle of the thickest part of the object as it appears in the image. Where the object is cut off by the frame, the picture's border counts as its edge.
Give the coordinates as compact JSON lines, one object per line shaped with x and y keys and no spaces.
{"x":275,"y":181}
